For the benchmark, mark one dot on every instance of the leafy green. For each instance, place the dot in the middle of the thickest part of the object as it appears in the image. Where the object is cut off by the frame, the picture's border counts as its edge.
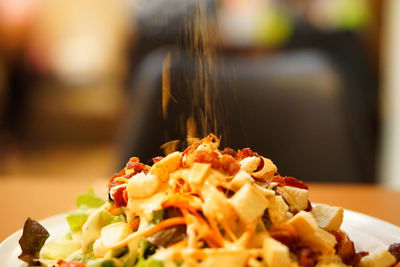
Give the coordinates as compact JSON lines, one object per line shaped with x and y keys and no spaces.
{"x":115,"y":219}
{"x":32,"y":240}
{"x":119,"y":252}
{"x":150,"y":262}
{"x":146,"y":249}
{"x":89,"y":200}
{"x":59,"y":248}
{"x":100,"y":263}
{"x":158,"y":216}
{"x":85,"y":203}
{"x":76,"y":219}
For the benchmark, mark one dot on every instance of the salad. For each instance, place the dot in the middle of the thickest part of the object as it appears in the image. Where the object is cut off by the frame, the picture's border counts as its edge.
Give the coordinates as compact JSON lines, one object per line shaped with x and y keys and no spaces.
{"x":201,"y":207}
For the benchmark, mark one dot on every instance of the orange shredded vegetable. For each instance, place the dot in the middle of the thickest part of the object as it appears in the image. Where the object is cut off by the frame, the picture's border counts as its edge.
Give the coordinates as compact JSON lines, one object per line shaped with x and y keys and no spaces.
{"x":135,"y":223}
{"x":179,"y":201}
{"x":180,"y":244}
{"x":164,"y":224}
{"x":216,"y":234}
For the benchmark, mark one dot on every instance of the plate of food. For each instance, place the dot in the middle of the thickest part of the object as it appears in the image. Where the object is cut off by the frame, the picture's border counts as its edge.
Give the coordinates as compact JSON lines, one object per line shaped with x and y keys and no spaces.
{"x":204,"y":207}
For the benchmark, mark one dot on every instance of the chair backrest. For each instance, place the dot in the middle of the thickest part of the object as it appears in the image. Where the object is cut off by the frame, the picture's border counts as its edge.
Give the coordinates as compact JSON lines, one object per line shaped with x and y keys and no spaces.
{"x":289,"y":107}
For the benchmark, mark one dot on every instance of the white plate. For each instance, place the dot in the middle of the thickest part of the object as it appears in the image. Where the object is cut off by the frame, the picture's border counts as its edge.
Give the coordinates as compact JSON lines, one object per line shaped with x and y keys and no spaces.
{"x":368,"y":233}
{"x":10,"y":250}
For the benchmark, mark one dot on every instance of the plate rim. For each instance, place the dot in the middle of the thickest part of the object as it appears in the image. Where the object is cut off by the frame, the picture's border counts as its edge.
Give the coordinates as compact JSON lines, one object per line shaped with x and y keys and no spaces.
{"x":61,"y":217}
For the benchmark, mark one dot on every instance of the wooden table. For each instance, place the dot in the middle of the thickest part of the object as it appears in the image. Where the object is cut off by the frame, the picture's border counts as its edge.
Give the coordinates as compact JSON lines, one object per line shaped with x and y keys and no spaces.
{"x":43,"y":197}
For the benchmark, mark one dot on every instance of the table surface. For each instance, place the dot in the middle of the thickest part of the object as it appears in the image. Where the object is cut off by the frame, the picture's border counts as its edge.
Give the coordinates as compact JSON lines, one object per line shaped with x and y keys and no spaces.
{"x":39,"y":198}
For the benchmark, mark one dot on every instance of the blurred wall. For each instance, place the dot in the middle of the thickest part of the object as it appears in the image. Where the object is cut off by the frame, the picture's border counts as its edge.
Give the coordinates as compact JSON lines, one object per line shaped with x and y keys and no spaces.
{"x":390,"y":97}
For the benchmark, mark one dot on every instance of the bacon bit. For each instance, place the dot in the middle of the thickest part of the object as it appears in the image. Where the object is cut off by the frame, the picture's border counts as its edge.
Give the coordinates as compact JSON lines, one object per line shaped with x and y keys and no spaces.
{"x":345,"y":249}
{"x":157,"y":159}
{"x":112,"y":182}
{"x":136,"y":166}
{"x":132,"y":160}
{"x":205,"y":156}
{"x":289,"y":181}
{"x":229,"y":151}
{"x":307,"y":257}
{"x":338,"y":235}
{"x":229,"y":164}
{"x":394,"y":249}
{"x":248,"y":152}
{"x":309,"y":207}
{"x":135,"y":224}
{"x":125,"y":196}
{"x":356,"y":259}
{"x":164,"y":224}
{"x":285,"y":234}
{"x":119,"y":199}
{"x":62,"y":263}
{"x":260,"y":165}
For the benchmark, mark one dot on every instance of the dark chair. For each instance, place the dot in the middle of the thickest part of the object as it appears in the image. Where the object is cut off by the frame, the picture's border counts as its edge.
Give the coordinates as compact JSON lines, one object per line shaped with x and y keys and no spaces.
{"x":290,"y":107}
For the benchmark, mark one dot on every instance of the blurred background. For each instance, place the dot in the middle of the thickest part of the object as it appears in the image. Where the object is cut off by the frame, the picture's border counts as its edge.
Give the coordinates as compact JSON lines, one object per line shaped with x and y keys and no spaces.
{"x":311,"y":84}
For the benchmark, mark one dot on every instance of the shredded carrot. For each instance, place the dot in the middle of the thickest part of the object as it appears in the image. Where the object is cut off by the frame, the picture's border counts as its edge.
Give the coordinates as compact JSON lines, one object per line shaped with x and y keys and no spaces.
{"x":210,"y":242}
{"x":179,"y":201}
{"x":165,"y":224}
{"x":184,"y":212}
{"x":198,"y":217}
{"x":198,"y":254}
{"x":210,"y":238}
{"x":216,"y":234}
{"x":180,"y":244}
{"x":135,"y":223}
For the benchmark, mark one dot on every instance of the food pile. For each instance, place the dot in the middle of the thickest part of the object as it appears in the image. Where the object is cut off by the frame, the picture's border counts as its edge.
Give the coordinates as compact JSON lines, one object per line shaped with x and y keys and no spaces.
{"x":202,"y":207}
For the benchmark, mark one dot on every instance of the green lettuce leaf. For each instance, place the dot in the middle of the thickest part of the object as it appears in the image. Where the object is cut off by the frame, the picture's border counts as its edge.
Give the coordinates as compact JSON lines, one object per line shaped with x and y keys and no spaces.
{"x":89,"y":200}
{"x":100,"y":263}
{"x":76,"y":219}
{"x":148,"y":263}
{"x":85,"y":203}
{"x":59,"y":248}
